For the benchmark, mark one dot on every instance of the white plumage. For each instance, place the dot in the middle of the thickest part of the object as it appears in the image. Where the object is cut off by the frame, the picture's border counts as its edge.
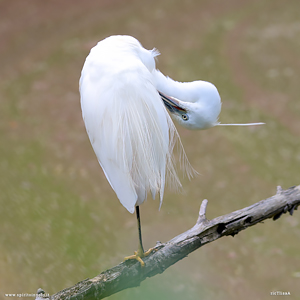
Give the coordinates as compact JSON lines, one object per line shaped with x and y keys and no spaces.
{"x":124,"y":102}
{"x":128,"y":126}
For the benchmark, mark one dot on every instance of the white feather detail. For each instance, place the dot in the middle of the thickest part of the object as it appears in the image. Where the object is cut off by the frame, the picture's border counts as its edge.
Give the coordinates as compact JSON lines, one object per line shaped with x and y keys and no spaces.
{"x":129,"y":128}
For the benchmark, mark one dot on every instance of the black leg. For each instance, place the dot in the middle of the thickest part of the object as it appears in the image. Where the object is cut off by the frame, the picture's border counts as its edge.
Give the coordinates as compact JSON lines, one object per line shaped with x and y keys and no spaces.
{"x":139,"y":254}
{"x":139,"y":228}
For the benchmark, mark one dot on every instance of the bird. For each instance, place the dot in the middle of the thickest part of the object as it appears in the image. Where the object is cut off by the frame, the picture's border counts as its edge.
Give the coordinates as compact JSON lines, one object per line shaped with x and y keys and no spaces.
{"x":128,"y":108}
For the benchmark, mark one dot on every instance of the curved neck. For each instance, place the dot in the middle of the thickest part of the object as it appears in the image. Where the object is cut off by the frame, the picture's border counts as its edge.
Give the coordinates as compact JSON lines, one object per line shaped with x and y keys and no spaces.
{"x":176,"y":89}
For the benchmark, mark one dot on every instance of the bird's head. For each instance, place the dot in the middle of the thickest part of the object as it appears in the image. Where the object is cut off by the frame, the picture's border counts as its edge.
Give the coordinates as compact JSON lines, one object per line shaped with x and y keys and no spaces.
{"x":200,"y":107}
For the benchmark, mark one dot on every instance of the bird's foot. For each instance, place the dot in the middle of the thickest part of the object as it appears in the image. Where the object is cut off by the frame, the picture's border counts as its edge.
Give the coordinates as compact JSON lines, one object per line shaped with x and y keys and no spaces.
{"x":138,"y":255}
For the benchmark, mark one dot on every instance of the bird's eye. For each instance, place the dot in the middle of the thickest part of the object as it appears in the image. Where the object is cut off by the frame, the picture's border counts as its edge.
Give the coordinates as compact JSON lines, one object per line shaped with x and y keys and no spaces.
{"x":184,"y":117}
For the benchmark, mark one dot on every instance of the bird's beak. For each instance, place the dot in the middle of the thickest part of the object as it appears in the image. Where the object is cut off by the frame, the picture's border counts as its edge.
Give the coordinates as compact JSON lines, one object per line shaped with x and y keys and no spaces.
{"x":171,"y":103}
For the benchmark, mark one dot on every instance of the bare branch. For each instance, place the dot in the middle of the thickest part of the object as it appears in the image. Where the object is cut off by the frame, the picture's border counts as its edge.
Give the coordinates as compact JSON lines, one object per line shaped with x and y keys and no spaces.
{"x":130,"y":273}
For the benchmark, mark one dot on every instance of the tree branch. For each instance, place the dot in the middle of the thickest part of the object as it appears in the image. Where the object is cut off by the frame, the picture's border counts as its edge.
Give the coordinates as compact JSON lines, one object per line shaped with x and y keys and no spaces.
{"x":130,"y":273}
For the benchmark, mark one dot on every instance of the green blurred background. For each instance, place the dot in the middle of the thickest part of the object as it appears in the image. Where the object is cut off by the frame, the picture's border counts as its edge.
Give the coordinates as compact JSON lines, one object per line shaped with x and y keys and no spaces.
{"x":61,"y":222}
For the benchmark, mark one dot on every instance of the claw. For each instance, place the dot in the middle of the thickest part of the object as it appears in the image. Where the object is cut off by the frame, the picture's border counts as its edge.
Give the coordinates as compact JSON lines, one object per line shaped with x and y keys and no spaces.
{"x":138,"y":255}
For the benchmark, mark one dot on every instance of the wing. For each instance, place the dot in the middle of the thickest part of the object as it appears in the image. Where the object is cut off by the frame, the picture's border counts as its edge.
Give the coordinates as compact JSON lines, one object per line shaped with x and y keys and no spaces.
{"x":128,"y":127}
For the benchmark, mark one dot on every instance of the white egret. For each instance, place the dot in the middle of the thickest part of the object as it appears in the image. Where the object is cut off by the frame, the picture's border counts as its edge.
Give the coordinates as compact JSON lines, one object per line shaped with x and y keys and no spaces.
{"x":131,"y":132}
